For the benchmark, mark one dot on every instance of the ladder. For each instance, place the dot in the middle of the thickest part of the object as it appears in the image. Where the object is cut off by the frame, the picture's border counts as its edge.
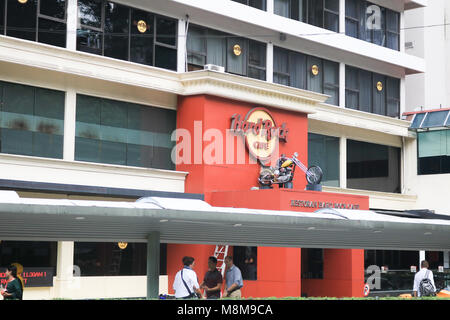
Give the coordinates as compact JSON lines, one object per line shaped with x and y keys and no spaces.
{"x":220,"y":253}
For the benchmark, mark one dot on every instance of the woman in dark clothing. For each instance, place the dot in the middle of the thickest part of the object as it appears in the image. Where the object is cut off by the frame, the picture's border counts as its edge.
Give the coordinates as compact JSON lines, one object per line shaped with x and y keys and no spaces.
{"x":14,"y":289}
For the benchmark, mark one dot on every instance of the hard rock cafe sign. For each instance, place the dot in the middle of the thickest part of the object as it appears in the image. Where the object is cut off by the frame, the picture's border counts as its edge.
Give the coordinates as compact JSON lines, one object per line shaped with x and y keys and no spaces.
{"x":261,"y":132}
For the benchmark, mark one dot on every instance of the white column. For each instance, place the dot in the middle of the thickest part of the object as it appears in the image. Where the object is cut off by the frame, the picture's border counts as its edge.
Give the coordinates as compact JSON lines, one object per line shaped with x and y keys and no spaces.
{"x":72,"y":22}
{"x":69,"y":125}
{"x":342,"y":85}
{"x":402,"y":95}
{"x":402,"y":32}
{"x":421,"y":257}
{"x":342,"y":16}
{"x":269,"y":62}
{"x":343,"y":162}
{"x":270,"y":6}
{"x":181,"y":52}
{"x":64,"y":269}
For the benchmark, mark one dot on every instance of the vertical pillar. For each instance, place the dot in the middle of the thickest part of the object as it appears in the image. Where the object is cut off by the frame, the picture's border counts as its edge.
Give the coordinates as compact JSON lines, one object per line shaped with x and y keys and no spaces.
{"x":69,"y":125}
{"x":446,"y":259}
{"x":270,"y":6}
{"x":342,"y":85}
{"x":269,"y":62}
{"x":153,"y":257}
{"x":342,"y":16}
{"x":181,"y":44}
{"x":421,"y":257}
{"x":402,"y":32}
{"x":72,"y":19}
{"x":64,"y":269}
{"x":343,"y":162}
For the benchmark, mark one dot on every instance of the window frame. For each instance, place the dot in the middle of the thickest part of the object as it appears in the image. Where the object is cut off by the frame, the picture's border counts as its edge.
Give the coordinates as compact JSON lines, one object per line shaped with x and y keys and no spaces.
{"x":154,"y":44}
{"x":39,"y":16}
{"x":247,"y":3}
{"x":247,"y":41}
{"x":387,"y":98}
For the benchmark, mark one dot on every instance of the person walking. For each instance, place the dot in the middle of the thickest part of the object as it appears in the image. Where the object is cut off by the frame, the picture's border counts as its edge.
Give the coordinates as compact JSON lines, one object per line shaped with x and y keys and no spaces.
{"x":233,"y":280}
{"x":186,"y":283}
{"x":212,"y":283}
{"x":424,"y":281}
{"x":13,"y":289}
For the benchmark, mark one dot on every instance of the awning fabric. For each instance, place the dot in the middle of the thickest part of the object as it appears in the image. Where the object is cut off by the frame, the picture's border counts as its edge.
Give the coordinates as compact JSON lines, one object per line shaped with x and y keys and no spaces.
{"x":195,"y":221}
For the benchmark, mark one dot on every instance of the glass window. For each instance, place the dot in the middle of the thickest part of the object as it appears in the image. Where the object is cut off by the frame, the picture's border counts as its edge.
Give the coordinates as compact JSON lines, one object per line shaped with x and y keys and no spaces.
{"x":435,"y":119}
{"x":282,"y":8}
{"x":373,"y":167}
{"x":2,"y":17}
{"x":331,"y":81}
{"x":196,"y":46}
{"x":297,"y":70}
{"x":365,"y":90}
{"x":21,"y":19}
{"x":116,"y":31}
{"x":434,"y":152}
{"x":314,"y":81}
{"x":107,"y":259}
{"x":32,"y":121}
{"x":316,"y":13}
{"x":124,"y":33}
{"x":245,"y":258}
{"x":30,"y":254}
{"x":393,"y":97}
{"x":236,"y":63}
{"x":281,"y":71}
{"x":166,"y":30}
{"x":90,"y":13}
{"x":323,"y":151}
{"x":115,"y":132}
{"x":53,"y":8}
{"x":352,"y":88}
{"x":379,"y":96}
{"x":141,"y":48}
{"x":52,"y":32}
{"x":237,"y":55}
{"x":392,"y":29}
{"x":351,"y":18}
{"x":259,"y":4}
{"x":312,"y":263}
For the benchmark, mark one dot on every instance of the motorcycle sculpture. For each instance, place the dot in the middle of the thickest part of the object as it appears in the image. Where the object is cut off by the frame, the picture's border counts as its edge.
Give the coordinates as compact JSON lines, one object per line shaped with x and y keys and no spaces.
{"x":283,"y":173}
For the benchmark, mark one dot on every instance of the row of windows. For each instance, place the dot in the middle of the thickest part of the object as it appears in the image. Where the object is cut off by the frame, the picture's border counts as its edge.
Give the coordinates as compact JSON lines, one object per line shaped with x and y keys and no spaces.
{"x":372,"y":23}
{"x":370,"y":166}
{"x":107,"y":131}
{"x":363,"y":19}
{"x":125,"y":33}
{"x":433,"y":152}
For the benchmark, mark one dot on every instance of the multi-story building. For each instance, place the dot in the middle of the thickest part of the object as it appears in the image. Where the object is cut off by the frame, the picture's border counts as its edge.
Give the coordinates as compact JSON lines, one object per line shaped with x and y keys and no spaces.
{"x":91,"y":91}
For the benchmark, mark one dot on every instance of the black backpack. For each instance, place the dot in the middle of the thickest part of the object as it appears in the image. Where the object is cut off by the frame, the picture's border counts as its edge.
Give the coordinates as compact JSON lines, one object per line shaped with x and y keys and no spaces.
{"x":426,"y":287}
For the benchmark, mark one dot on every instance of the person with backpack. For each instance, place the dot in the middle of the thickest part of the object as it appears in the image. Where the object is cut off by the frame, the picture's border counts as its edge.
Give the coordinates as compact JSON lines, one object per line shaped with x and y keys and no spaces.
{"x":186,"y":284}
{"x":424,"y":281}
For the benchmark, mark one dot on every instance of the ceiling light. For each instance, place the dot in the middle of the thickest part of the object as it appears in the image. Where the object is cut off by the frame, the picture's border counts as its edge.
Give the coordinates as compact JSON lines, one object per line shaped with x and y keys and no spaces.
{"x":237,"y":225}
{"x":163,"y":220}
{"x":80,"y":218}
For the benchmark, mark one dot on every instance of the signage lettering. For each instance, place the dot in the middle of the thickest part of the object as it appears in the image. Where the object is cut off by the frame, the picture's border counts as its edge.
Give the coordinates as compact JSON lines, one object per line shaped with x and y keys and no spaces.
{"x":34,"y":277}
{"x":323,"y":204}
{"x":260,"y":131}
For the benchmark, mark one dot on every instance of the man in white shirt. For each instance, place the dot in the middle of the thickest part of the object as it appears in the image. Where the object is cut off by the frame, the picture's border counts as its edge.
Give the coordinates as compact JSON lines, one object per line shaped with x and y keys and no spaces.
{"x":186,"y":289}
{"x":422,"y":274}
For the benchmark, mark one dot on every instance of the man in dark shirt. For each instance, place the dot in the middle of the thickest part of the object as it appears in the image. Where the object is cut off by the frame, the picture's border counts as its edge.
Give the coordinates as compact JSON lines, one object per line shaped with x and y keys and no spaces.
{"x":212,"y":283}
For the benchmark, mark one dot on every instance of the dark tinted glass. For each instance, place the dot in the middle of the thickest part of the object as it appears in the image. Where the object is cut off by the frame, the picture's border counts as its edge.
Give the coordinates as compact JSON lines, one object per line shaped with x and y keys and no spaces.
{"x":435,"y":119}
{"x":90,"y":41}
{"x":116,"y":31}
{"x":2,"y":17}
{"x":30,"y":254}
{"x":165,"y":58}
{"x":365,"y":90}
{"x":53,"y":8}
{"x":245,"y":258}
{"x":166,"y":31}
{"x":259,"y":4}
{"x":332,"y":5}
{"x":21,"y":19}
{"x":417,"y":120}
{"x":331,"y":21}
{"x":52,"y":32}
{"x":141,"y":42}
{"x":257,"y":54}
{"x":379,"y":97}
{"x":351,"y":8}
{"x":90,"y":13}
{"x":315,"y":13}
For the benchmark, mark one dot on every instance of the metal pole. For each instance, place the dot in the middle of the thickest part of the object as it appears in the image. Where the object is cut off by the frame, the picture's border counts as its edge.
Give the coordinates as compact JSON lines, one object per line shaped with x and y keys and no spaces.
{"x":153,"y":256}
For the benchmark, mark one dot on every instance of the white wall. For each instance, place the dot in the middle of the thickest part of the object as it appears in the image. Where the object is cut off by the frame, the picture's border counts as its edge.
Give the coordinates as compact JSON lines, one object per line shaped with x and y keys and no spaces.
{"x":431,"y":38}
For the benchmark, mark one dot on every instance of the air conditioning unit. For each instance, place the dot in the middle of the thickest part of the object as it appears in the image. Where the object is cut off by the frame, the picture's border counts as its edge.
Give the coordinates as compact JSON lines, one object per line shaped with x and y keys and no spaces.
{"x":213,"y":67}
{"x":409,"y":45}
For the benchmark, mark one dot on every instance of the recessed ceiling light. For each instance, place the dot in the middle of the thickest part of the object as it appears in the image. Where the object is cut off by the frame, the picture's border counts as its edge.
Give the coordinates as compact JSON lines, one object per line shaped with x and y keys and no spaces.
{"x":80,"y":218}
{"x":427,"y":233}
{"x":237,"y":225}
{"x":311,"y":228}
{"x":163,"y":220}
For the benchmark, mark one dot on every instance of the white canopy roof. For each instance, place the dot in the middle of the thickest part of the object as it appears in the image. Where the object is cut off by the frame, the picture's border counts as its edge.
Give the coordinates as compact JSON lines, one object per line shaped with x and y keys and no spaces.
{"x":195,"y":221}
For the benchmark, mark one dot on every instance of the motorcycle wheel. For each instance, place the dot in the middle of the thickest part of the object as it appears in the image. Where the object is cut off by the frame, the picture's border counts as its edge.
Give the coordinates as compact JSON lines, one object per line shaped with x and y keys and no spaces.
{"x":314,"y":175}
